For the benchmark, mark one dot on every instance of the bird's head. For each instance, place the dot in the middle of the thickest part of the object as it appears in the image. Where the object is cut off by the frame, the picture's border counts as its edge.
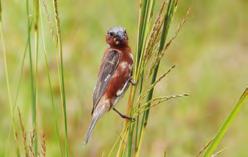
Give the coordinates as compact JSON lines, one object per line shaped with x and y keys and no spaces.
{"x":117,"y":37}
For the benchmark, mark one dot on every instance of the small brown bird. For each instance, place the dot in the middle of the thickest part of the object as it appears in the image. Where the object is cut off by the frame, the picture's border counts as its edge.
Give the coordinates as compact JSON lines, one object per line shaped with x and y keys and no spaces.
{"x":114,"y":76}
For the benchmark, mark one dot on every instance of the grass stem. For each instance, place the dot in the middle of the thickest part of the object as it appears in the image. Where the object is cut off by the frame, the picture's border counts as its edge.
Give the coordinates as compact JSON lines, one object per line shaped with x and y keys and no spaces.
{"x":61,"y":72}
{"x":226,"y":125}
{"x":6,"y":71}
{"x":55,"y":109}
{"x":33,"y":88}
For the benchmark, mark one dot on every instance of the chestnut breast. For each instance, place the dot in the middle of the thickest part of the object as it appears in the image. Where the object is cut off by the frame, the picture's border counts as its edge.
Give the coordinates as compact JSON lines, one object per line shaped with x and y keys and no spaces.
{"x":121,"y":76}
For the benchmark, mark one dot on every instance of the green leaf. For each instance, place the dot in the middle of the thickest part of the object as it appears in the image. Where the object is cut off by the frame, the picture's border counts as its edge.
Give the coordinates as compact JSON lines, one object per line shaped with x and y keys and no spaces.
{"x":226,"y":125}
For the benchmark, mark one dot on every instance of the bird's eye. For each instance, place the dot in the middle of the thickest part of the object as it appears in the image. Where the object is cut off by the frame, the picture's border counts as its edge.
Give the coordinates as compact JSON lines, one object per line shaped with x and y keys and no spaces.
{"x":111,"y":33}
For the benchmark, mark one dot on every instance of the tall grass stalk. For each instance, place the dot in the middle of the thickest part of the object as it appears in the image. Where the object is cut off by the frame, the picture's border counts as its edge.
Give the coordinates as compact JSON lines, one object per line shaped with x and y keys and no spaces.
{"x":36,"y":47}
{"x":144,"y":26}
{"x":167,"y":20}
{"x":143,"y":16}
{"x":166,"y":25}
{"x":226,"y":125}
{"x":55,"y":109}
{"x":151,"y":45}
{"x":18,"y":89}
{"x":61,"y":72}
{"x":32,"y":79}
{"x":6,"y":71}
{"x":36,"y":38}
{"x":145,"y":13}
{"x":5,"y":60}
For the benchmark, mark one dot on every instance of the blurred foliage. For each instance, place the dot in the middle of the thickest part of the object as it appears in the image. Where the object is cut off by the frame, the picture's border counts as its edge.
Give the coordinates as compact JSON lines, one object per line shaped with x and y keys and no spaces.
{"x":211,"y":57}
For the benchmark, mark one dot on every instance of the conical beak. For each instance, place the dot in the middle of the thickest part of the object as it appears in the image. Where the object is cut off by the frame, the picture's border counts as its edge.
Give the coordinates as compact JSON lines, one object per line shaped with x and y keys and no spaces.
{"x":121,"y":35}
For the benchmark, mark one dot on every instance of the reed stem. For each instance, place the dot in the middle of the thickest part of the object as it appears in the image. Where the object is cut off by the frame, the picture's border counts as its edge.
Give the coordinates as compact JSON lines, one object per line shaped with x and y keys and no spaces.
{"x":61,"y":72}
{"x":226,"y":125}
{"x":32,"y":81}
{"x":54,"y":107}
{"x":6,"y":71}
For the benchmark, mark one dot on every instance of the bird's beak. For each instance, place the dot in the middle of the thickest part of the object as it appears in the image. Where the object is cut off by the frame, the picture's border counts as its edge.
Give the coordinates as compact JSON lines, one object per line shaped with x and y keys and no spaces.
{"x":121,"y":35}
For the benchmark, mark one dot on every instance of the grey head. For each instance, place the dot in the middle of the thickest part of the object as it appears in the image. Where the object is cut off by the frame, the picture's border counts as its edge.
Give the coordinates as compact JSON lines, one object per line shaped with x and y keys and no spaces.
{"x":118,"y":32}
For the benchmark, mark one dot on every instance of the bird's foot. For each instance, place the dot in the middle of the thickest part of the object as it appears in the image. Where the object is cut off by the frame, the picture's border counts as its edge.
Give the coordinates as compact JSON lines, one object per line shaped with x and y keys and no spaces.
{"x":124,"y":116}
{"x":133,"y":82}
{"x":128,"y":118}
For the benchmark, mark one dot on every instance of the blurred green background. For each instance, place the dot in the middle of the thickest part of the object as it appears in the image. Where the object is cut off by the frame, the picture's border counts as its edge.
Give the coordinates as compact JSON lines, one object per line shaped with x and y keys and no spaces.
{"x":211,"y":58}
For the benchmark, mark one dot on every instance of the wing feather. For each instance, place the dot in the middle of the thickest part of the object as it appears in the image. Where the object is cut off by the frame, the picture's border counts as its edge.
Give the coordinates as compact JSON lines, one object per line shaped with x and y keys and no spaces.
{"x":108,"y":67}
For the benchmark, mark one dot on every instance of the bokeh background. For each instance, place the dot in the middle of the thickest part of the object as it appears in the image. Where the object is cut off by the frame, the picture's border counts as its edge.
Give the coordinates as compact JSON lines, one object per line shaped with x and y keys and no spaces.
{"x":211,"y":58}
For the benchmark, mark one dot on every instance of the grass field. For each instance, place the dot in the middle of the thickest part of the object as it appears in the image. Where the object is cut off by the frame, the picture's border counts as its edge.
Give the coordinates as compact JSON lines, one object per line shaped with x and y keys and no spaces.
{"x":210,"y":54}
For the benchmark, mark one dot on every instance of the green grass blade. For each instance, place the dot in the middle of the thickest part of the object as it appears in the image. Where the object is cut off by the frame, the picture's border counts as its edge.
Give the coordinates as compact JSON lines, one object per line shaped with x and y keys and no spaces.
{"x":33,"y":90}
{"x":20,"y":75}
{"x":145,"y":17}
{"x":36,"y":47}
{"x":61,"y":72}
{"x":142,"y":22}
{"x":130,"y":140}
{"x":54,"y":107}
{"x":6,"y":71}
{"x":226,"y":125}
{"x":143,"y":29}
{"x":167,"y":21}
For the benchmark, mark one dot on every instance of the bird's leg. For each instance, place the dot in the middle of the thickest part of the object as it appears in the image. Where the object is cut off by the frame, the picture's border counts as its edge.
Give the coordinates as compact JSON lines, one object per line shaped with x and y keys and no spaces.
{"x":132,"y":81}
{"x":122,"y":115}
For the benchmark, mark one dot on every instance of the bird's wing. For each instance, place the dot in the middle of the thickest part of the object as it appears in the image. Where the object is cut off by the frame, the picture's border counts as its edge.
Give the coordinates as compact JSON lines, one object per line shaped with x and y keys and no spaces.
{"x":108,"y":67}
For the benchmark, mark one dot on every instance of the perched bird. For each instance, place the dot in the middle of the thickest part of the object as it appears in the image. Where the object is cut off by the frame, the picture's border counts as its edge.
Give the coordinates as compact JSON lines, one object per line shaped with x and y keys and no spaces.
{"x":114,"y":76}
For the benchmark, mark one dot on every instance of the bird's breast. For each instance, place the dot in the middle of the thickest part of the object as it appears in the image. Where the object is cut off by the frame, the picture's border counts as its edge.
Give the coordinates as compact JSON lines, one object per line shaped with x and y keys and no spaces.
{"x":119,"y":82}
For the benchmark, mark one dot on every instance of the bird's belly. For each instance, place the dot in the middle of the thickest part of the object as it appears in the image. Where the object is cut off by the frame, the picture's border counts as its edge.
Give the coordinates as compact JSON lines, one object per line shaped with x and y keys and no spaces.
{"x":118,"y":84}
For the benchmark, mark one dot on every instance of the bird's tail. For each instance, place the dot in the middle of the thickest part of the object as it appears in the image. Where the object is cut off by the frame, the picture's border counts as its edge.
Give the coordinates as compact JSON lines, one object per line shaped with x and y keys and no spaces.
{"x":95,"y":116}
{"x":90,"y":129}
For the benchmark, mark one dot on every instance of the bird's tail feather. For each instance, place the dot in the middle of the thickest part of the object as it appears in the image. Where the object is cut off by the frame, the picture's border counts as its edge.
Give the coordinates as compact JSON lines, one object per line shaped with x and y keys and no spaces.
{"x":90,"y":129}
{"x":98,"y":112}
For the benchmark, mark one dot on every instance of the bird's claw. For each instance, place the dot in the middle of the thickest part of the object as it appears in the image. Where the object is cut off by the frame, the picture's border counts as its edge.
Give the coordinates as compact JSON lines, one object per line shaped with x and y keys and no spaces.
{"x":128,"y":118}
{"x":133,"y":119}
{"x":124,"y":116}
{"x":133,"y":82}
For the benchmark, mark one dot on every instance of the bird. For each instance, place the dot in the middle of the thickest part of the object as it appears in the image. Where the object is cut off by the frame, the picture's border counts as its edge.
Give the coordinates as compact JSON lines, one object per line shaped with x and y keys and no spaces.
{"x":114,"y":77}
